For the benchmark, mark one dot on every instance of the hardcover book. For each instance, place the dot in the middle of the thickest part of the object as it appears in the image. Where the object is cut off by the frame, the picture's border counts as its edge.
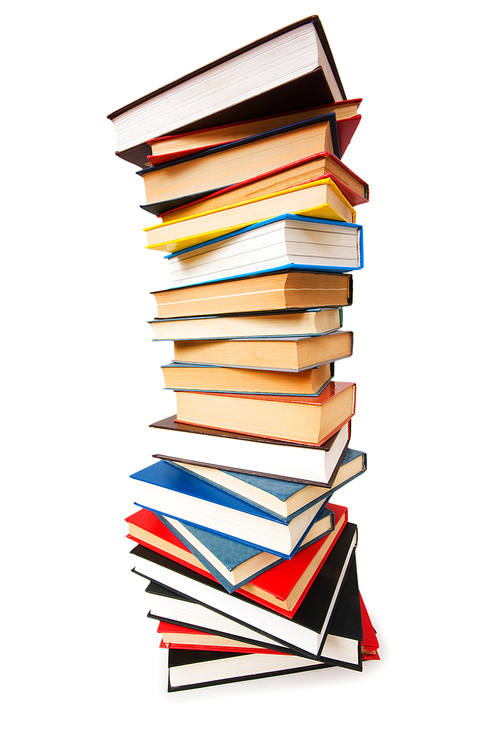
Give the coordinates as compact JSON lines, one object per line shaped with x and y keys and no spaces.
{"x":307,"y":420}
{"x":282,"y":324}
{"x":207,"y":666}
{"x":198,"y":378}
{"x":270,"y":353}
{"x":276,"y":78}
{"x":273,"y":291}
{"x":229,"y":562}
{"x":239,"y":161}
{"x":284,"y":242}
{"x":321,"y":199}
{"x":169,"y":490}
{"x":248,"y":454}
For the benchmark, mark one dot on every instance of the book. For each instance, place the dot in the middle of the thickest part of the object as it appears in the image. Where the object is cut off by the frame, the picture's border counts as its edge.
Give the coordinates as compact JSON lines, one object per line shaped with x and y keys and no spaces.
{"x":239,"y":161}
{"x":284,"y":242}
{"x":248,"y":454}
{"x":271,"y":353}
{"x":292,"y":65}
{"x":311,"y":168}
{"x":342,"y":644}
{"x":171,"y":146}
{"x":287,"y":324}
{"x":185,"y":376}
{"x":281,"y":587}
{"x":233,"y":564}
{"x":307,"y":628}
{"x":308,"y":420}
{"x":229,"y":562}
{"x":273,"y":291}
{"x":280,"y":496}
{"x":169,"y":490}
{"x":321,"y":199}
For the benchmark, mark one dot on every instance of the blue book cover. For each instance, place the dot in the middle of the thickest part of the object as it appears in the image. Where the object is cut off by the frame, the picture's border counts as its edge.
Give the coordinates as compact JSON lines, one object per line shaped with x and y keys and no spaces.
{"x":278,"y":218}
{"x":165,"y":475}
{"x":229,"y":552}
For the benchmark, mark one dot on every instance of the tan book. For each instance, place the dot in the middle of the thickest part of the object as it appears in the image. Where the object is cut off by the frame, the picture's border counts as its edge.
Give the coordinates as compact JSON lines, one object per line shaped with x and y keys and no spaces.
{"x":320,"y":199}
{"x":287,"y":354}
{"x":237,"y":163}
{"x":181,"y":376}
{"x":276,"y":291}
{"x":283,"y":324}
{"x":307,"y":420}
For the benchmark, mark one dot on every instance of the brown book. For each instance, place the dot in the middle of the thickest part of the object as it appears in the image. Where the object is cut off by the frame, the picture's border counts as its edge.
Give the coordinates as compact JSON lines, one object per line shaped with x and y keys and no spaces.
{"x":307,"y":420}
{"x":244,"y":453}
{"x":286,"y":354}
{"x":282,"y":324}
{"x":275,"y":291}
{"x":181,"y":376}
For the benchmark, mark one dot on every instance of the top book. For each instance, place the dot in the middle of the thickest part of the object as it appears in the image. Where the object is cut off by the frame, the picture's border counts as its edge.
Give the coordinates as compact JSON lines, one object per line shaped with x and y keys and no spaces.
{"x":293,"y":68}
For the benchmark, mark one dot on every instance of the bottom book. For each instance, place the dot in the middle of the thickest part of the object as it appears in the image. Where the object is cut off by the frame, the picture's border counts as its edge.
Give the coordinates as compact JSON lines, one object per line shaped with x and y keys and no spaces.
{"x":232,"y":660}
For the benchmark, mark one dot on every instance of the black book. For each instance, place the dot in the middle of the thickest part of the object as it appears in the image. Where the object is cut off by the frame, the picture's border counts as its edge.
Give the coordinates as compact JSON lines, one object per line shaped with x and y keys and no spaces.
{"x":194,"y":668}
{"x":305,"y":631}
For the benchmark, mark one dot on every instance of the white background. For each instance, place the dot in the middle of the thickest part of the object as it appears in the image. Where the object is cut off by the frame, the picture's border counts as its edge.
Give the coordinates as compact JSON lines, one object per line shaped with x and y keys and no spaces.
{"x":81,"y":382}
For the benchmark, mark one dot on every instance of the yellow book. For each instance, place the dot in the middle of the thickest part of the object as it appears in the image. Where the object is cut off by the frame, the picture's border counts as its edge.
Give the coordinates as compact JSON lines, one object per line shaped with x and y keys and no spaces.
{"x":321,"y":199}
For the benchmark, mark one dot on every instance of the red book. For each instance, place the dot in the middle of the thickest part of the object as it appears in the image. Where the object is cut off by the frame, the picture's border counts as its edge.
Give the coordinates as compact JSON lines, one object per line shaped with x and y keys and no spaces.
{"x":177,"y":636}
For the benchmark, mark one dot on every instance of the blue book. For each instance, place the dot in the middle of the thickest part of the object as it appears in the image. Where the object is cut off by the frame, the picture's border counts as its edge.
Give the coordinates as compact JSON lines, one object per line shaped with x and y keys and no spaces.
{"x":171,"y":491}
{"x":284,"y":242}
{"x":233,"y":564}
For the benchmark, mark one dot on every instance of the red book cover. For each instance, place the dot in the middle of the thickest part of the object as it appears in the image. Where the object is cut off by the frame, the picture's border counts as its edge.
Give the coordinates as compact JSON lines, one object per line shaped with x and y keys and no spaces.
{"x":211,"y":642}
{"x":370,"y":644}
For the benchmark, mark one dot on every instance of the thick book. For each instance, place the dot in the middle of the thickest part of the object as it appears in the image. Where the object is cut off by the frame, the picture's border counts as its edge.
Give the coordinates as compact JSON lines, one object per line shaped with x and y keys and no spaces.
{"x":321,"y":199}
{"x":239,"y":161}
{"x":306,"y":420}
{"x":312,"y":167}
{"x":273,"y":291}
{"x":248,"y":454}
{"x":307,"y":628}
{"x":271,"y":353}
{"x":282,"y":324}
{"x":169,"y":490}
{"x":229,"y":562}
{"x":165,"y":148}
{"x":290,"y":68}
{"x":284,"y":242}
{"x":281,"y":587}
{"x":198,"y":378}
{"x":280,"y":497}
{"x":227,"y":661}
{"x":346,"y":633}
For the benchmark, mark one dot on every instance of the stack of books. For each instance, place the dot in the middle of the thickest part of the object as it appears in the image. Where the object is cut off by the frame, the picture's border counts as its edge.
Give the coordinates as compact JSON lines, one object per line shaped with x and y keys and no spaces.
{"x":249,"y":558}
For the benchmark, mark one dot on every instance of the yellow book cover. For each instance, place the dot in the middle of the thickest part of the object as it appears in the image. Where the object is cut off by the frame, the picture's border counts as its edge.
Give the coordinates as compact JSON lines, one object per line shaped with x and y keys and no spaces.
{"x":321,"y":198}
